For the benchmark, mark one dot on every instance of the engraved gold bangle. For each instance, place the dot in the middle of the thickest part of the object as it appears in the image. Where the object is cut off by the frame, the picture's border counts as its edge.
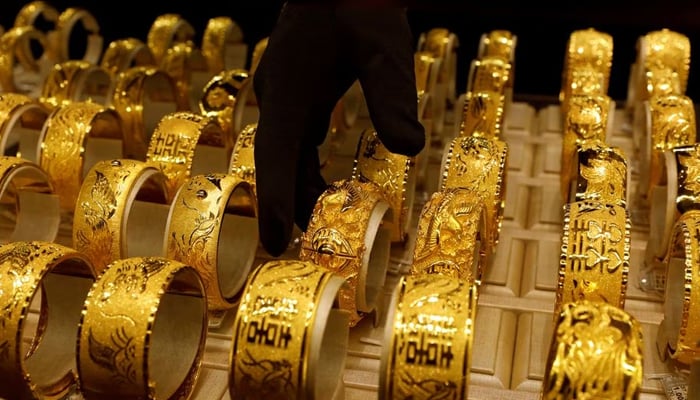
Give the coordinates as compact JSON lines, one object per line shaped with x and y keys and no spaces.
{"x":681,"y":325}
{"x":166,"y":30}
{"x":122,"y":54}
{"x":289,"y":340}
{"x":29,"y":13}
{"x":75,"y":137}
{"x":498,"y":43}
{"x":483,"y":114}
{"x":443,"y":44}
{"x":76,"y":80}
{"x":346,"y":235}
{"x":600,"y":174}
{"x":448,"y":241}
{"x":488,"y":75}
{"x":224,"y":98}
{"x":479,"y":165}
{"x":243,"y":155}
{"x":587,"y":48}
{"x":185,"y":144}
{"x":64,"y":28}
{"x":106,"y":217}
{"x":21,"y":121}
{"x":585,"y":81}
{"x":595,"y":352}
{"x":220,"y":33}
{"x":428,"y":339}
{"x":212,"y":226}
{"x":393,"y":173}
{"x":142,"y":96}
{"x":15,"y":48}
{"x":44,"y":368}
{"x":595,"y":254}
{"x":664,"y":49}
{"x":188,"y":68}
{"x":142,"y":331}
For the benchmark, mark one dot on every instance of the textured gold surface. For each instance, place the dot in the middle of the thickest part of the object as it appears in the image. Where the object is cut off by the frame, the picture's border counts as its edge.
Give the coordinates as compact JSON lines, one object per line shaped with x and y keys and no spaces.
{"x":665,"y":49}
{"x":439,"y":42}
{"x":224,"y":99}
{"x":595,"y":353}
{"x":483,"y":114}
{"x":122,"y":54}
{"x":13,"y":48}
{"x":489,"y":74}
{"x":28,"y":14}
{"x":219,"y":32}
{"x":243,"y":157}
{"x":65,"y":81}
{"x":166,"y":30}
{"x":66,"y":22}
{"x":499,"y":43}
{"x":688,"y":177}
{"x":181,"y":61}
{"x":430,"y":350}
{"x":587,"y":48}
{"x":600,"y":175}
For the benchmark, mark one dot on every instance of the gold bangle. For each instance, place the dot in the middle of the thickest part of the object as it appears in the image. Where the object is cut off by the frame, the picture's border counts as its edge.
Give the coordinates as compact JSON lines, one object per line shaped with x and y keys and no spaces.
{"x":166,"y":30}
{"x":15,"y":47}
{"x":479,"y":165}
{"x":393,"y":173}
{"x":661,"y":82}
{"x":258,"y":51}
{"x":185,"y":144}
{"x":600,"y":174}
{"x":243,"y":155}
{"x":64,"y":27}
{"x":105,"y":220}
{"x":224,"y":99}
{"x":21,"y":122}
{"x":483,"y":114}
{"x":123,"y":54}
{"x":595,"y":352}
{"x":142,"y":96}
{"x":220,"y":33}
{"x":488,"y":75}
{"x":188,"y":68}
{"x":428,"y":339}
{"x":585,"y":81}
{"x":587,"y":48}
{"x":76,"y":80}
{"x":289,"y":341}
{"x":443,"y":44}
{"x":498,"y":43}
{"x":76,"y":136}
{"x":142,"y":331}
{"x":427,"y":67}
{"x":665,"y":49}
{"x":212,"y":226}
{"x":29,"y":13}
{"x":681,"y":325}
{"x":448,"y":231}
{"x":346,"y":235}
{"x":62,"y":277}
{"x":595,"y":254}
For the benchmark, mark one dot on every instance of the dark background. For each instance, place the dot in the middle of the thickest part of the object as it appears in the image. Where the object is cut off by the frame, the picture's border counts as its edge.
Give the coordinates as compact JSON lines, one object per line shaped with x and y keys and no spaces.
{"x":542,"y":29}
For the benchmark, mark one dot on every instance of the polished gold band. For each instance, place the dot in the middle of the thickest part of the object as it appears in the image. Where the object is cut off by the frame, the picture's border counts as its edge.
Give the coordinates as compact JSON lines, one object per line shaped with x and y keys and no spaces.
{"x":595,"y":353}
{"x":105,"y":217}
{"x":64,"y":27}
{"x":287,"y":321}
{"x":220,"y":33}
{"x":224,"y":99}
{"x":427,"y":67}
{"x":21,"y":121}
{"x":15,"y":48}
{"x":166,"y":30}
{"x":76,"y":80}
{"x":212,"y":226}
{"x":44,"y":368}
{"x":122,"y":54}
{"x":483,"y":114}
{"x":142,"y":96}
{"x":188,"y":68}
{"x":179,"y":148}
{"x":595,"y":254}
{"x":600,"y":174}
{"x":75,"y":137}
{"x":428,"y":339}
{"x":393,"y":173}
{"x":142,"y":331}
{"x":29,"y":13}
{"x":345,"y":235}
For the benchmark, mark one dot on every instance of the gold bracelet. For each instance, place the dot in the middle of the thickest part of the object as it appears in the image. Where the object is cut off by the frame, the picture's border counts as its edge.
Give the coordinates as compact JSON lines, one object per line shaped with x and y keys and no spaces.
{"x":587,"y":48}
{"x":427,"y":67}
{"x":595,"y":254}
{"x":166,"y":30}
{"x":498,"y":43}
{"x":600,"y":174}
{"x":62,"y":277}
{"x":596,"y":352}
{"x":664,"y":50}
{"x":142,"y":96}
{"x":15,"y":45}
{"x":443,"y":44}
{"x":76,"y":80}
{"x":220,"y":33}
{"x":243,"y":155}
{"x":105,"y":220}
{"x":76,"y":136}
{"x":186,"y":65}
{"x":448,"y":230}
{"x":483,"y":114}
{"x":680,"y":328}
{"x":346,"y":235}
{"x":224,"y":99}
{"x":122,"y":54}
{"x":185,"y":144}
{"x":142,"y":331}
{"x":428,"y":339}
{"x":212,"y":226}
{"x":29,"y":13}
{"x":479,"y":165}
{"x":585,"y":81}
{"x":289,"y":340}
{"x":21,"y":121}
{"x":64,"y":27}
{"x":393,"y":173}
{"x":258,"y":51}
{"x":488,"y":75}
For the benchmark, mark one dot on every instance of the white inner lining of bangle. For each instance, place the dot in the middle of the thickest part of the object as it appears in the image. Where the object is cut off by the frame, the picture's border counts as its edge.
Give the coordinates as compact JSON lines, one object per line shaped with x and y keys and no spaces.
{"x":375,"y":260}
{"x":675,"y":295}
{"x":144,"y":223}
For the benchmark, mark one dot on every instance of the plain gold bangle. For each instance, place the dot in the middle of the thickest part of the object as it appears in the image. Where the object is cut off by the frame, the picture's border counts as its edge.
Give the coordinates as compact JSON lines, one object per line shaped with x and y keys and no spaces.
{"x":44,"y":369}
{"x":428,"y":338}
{"x":393,"y":173}
{"x":29,"y":13}
{"x":166,"y":30}
{"x":212,"y":226}
{"x":142,"y":96}
{"x":75,"y":137}
{"x":595,"y":353}
{"x":345,"y":235}
{"x":188,"y":68}
{"x":122,"y":54}
{"x":105,"y":219}
{"x":64,"y":28}
{"x":224,"y":99}
{"x":21,"y":121}
{"x":289,"y":339}
{"x":16,"y":49}
{"x":220,"y":33}
{"x":600,"y":174}
{"x":142,"y":331}
{"x":76,"y":80}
